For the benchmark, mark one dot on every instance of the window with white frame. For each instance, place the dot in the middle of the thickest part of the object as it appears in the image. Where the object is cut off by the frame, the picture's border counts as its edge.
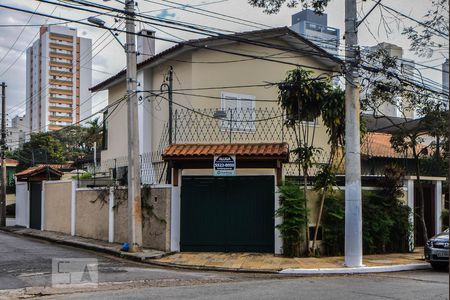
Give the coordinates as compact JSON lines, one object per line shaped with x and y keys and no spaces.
{"x":240,"y":112}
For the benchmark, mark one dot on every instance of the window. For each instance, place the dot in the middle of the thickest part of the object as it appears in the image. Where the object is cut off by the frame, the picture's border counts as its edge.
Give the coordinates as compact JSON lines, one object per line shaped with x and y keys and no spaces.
{"x":240,"y":111}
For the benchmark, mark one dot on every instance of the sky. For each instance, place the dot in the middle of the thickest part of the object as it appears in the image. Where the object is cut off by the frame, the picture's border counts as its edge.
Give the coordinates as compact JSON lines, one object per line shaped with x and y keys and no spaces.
{"x":109,"y":57}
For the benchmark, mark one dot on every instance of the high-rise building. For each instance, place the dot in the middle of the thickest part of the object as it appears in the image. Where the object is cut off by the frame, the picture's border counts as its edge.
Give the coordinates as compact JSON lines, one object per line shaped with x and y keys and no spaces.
{"x":407,"y":70}
{"x":445,"y":76}
{"x":58,"y":78}
{"x":15,"y":133}
{"x":315,"y":28}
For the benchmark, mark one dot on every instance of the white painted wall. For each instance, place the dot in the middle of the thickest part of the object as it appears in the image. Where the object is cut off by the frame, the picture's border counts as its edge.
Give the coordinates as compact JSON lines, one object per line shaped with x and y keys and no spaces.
{"x":22,"y":204}
{"x":278,"y":220}
{"x":175,"y":216}
{"x":410,"y":200}
{"x":438,"y":206}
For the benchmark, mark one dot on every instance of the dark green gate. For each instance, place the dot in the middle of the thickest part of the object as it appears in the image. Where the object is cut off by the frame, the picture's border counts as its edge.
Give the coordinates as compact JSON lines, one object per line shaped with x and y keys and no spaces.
{"x":35,"y":205}
{"x":227,"y":214}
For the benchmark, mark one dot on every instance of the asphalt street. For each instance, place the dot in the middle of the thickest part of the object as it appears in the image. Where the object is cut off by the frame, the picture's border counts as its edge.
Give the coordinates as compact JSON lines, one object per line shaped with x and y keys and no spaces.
{"x":26,"y":263}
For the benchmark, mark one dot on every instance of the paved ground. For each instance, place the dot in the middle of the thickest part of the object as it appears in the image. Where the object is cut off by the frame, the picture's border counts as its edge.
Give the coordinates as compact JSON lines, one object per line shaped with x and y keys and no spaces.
{"x":26,"y":262}
{"x":25,"y":266}
{"x":411,"y":285}
{"x":228,"y":261}
{"x":263,"y":261}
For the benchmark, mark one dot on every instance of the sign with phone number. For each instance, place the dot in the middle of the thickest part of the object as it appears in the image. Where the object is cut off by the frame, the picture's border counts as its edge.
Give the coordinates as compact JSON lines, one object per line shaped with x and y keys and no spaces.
{"x":224,"y":165}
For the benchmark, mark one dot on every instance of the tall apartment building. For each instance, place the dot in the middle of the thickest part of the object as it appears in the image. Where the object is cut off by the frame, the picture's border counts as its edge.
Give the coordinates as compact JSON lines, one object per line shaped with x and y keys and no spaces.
{"x":58,"y":78}
{"x":407,"y":70}
{"x":315,"y":28}
{"x":445,"y":76}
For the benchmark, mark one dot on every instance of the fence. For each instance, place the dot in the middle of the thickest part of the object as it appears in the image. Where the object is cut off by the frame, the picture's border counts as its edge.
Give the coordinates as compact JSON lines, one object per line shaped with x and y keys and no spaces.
{"x":245,"y":126}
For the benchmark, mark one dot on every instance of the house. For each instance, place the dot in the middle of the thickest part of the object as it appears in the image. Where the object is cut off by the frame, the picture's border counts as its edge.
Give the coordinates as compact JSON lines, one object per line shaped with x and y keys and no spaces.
{"x":225,"y":109}
{"x":11,"y":165}
{"x":377,"y":153}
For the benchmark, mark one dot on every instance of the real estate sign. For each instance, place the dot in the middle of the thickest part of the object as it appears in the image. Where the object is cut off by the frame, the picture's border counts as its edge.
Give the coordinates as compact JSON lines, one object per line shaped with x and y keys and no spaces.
{"x":224,"y":165}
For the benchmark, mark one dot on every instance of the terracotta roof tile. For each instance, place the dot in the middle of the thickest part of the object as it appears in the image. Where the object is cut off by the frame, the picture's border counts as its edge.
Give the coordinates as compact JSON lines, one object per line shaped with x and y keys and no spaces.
{"x":33,"y":170}
{"x":201,"y":150}
{"x":379,"y":145}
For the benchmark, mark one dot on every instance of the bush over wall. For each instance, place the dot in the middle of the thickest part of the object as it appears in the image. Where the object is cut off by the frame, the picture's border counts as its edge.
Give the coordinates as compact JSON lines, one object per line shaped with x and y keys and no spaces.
{"x":292,"y":210}
{"x":386,"y":226}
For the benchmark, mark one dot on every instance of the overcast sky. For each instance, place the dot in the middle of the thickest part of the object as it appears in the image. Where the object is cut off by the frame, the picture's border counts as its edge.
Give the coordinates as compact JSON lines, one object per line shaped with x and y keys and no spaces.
{"x":109,"y":57}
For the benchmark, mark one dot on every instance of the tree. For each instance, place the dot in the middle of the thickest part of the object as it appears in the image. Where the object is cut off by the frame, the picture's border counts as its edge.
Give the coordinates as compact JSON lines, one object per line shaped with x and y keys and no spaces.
{"x":274,"y":6}
{"x":43,"y":147}
{"x":432,"y":36}
{"x":389,"y":85}
{"x":303,"y":98}
{"x":332,"y":112}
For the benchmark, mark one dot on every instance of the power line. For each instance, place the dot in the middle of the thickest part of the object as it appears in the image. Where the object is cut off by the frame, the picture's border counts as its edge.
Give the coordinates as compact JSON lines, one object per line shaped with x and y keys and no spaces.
{"x":20,"y":34}
{"x":207,"y":15}
{"x":116,"y":102}
{"x":440,"y":32}
{"x":83,"y":55}
{"x":192,"y":28}
{"x":189,"y":43}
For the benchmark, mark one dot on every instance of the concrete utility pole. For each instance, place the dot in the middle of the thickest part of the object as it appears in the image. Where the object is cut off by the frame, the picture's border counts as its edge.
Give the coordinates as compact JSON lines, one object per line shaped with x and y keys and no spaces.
{"x":134,"y":180}
{"x":170,"y":96}
{"x":353,"y":211}
{"x":3,"y":167}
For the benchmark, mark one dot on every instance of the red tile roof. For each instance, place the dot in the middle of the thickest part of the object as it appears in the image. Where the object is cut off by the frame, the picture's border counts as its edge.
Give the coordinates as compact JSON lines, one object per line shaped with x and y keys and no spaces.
{"x":379,"y":145}
{"x":246,"y":150}
{"x":34,"y":170}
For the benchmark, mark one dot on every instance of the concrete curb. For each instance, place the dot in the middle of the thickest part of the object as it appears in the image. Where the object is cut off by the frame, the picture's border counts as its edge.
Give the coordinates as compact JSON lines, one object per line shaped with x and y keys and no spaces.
{"x":151,"y":261}
{"x":86,"y":246}
{"x":361,"y":270}
{"x":211,"y":268}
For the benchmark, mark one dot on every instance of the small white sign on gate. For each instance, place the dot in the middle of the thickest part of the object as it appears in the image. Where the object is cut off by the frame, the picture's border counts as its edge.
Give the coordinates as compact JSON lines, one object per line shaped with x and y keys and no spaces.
{"x":224,"y":165}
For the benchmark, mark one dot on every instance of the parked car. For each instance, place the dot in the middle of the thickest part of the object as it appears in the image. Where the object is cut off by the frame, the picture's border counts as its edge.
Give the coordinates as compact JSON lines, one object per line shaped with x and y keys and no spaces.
{"x":436,"y":250}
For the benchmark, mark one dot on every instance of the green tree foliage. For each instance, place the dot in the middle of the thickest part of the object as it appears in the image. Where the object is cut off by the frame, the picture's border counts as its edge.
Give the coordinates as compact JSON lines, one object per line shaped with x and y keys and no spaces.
{"x":274,"y":6}
{"x":43,"y":147}
{"x":385,"y":224}
{"x":65,"y":145}
{"x":292,"y":210}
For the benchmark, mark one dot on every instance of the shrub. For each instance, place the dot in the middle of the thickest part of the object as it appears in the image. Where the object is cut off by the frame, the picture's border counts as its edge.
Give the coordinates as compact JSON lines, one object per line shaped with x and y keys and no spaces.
{"x":444,"y":219}
{"x":292,"y":210}
{"x":386,"y":225}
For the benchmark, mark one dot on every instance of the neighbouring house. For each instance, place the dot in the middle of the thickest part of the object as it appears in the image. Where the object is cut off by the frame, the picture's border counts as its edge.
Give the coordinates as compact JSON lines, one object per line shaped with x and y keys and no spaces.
{"x":377,"y":153}
{"x":211,"y":80}
{"x":11,"y":165}
{"x":29,"y":204}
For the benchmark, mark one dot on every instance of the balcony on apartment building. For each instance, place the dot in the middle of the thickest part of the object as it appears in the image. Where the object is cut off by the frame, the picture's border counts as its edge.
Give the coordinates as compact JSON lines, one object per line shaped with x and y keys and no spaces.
{"x":57,"y":46}
{"x":59,"y":80}
{"x":61,"y":54}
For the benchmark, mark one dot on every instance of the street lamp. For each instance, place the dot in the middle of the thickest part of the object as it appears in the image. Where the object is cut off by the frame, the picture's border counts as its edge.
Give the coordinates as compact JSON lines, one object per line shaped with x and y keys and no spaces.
{"x":100,"y":23}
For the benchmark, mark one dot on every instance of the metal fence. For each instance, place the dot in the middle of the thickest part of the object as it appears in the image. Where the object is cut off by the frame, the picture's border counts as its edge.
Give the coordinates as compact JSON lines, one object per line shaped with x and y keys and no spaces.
{"x":264,"y":125}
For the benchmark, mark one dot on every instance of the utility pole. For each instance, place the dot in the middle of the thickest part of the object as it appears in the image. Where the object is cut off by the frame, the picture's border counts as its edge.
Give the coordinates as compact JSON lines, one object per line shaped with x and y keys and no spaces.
{"x":3,"y":173}
{"x":353,"y":211}
{"x":170,"y":96}
{"x":134,"y":180}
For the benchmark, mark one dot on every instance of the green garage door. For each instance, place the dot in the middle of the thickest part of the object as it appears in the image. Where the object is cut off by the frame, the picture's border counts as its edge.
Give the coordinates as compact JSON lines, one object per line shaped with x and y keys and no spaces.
{"x":227,"y":214}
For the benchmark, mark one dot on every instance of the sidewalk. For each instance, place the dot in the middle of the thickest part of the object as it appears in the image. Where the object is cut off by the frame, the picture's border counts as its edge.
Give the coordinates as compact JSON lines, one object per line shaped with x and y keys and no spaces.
{"x":241,"y":262}
{"x":85,"y":243}
{"x":260,"y":262}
